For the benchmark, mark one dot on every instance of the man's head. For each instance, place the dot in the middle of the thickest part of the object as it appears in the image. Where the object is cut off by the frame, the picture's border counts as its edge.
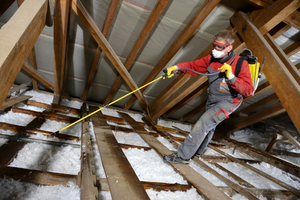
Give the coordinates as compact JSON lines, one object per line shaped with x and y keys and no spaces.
{"x":222,"y":44}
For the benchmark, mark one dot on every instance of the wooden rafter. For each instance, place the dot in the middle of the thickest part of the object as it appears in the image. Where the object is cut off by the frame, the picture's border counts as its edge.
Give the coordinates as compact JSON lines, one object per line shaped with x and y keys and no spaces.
{"x":16,"y":47}
{"x":61,"y":23}
{"x":38,"y":76}
{"x":31,"y":58}
{"x":199,"y":17}
{"x":293,"y":20}
{"x":285,"y":86}
{"x":105,"y":30}
{"x":154,"y":16}
{"x":292,"y":49}
{"x":121,"y":178}
{"x":106,"y":48}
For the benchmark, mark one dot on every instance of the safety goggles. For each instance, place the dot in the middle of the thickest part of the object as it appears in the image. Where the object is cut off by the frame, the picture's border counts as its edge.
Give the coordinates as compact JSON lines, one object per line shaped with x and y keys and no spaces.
{"x":219,"y":46}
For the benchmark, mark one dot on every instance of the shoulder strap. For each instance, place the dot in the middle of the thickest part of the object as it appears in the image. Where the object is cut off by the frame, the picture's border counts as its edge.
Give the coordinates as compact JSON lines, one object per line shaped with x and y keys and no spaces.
{"x":211,"y":60}
{"x":238,"y":66}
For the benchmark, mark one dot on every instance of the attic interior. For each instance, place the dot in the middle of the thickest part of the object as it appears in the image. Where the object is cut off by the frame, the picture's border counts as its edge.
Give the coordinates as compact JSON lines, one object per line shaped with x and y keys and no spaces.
{"x":97,"y":52}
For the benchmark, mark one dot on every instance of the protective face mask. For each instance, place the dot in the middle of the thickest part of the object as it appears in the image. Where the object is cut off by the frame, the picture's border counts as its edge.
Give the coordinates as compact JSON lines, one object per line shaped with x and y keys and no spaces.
{"x":217,"y":54}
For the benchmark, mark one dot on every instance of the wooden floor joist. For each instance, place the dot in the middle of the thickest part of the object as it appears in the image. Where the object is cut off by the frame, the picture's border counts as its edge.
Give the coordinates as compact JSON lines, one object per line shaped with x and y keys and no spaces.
{"x":46,"y":115}
{"x":206,"y":188}
{"x":23,"y":129}
{"x":36,"y":176}
{"x":263,"y":156}
{"x":122,"y":180}
{"x":275,"y":180}
{"x":11,"y":102}
{"x":87,"y":176}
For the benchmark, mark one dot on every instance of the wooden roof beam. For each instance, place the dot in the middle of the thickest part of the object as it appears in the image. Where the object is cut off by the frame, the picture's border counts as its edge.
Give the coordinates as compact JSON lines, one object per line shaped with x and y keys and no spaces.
{"x":31,"y":58}
{"x":26,"y":25}
{"x":105,"y":29}
{"x":293,"y":20}
{"x":38,"y":76}
{"x":283,"y":83}
{"x":199,"y":17}
{"x":106,"y":48}
{"x":61,"y":24}
{"x":292,"y":49}
{"x":153,"y":18}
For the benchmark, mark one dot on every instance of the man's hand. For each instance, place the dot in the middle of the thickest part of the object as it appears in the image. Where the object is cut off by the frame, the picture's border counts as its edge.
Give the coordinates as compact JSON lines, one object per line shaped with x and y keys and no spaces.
{"x":170,"y":71}
{"x":227,"y":69}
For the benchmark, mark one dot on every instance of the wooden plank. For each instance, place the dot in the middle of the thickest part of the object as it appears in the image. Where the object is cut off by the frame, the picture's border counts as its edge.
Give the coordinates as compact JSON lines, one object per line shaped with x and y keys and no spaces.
{"x":46,"y":115}
{"x":147,"y":29}
{"x":89,"y":23}
{"x":36,"y":176}
{"x":122,"y":180}
{"x":22,"y":129}
{"x":235,"y":177}
{"x":56,"y":107}
{"x":150,"y":185}
{"x":10,"y":149}
{"x":25,"y":139}
{"x":260,"y":155}
{"x":260,"y":3}
{"x":23,"y":86}
{"x":61,"y":20}
{"x":275,"y":180}
{"x":38,"y":76}
{"x":276,"y":13}
{"x":280,"y":78}
{"x":10,"y":102}
{"x":293,"y":20}
{"x":86,"y":177}
{"x":31,"y":58}
{"x":203,"y":186}
{"x":17,"y":38}
{"x":242,"y":191}
{"x":292,"y":49}
{"x":284,"y":57}
{"x":215,"y":159}
{"x":105,"y":29}
{"x":279,"y":30}
{"x":190,"y":28}
{"x":286,"y":153}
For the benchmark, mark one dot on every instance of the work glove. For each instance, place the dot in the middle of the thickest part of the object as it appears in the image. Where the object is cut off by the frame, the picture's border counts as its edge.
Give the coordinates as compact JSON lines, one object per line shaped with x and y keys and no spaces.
{"x":170,"y":71}
{"x":228,"y":71}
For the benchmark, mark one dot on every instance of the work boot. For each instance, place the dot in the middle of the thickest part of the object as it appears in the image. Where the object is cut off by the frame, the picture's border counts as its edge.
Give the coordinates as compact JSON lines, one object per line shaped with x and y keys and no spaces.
{"x":175,"y":158}
{"x":197,"y":155}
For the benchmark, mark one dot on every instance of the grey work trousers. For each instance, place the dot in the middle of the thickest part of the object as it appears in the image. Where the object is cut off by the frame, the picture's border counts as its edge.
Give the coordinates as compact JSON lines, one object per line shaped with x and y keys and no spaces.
{"x":203,"y":130}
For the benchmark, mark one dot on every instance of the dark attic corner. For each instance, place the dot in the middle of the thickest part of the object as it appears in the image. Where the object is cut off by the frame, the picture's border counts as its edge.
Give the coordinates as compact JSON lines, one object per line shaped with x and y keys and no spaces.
{"x":143,"y":99}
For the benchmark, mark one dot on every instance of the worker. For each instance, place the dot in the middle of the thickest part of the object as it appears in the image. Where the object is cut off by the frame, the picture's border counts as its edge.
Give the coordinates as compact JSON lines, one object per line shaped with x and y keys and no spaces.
{"x":226,"y":93}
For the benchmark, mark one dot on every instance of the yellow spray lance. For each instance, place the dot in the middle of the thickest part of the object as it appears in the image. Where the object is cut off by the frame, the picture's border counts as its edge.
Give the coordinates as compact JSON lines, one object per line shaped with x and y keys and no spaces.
{"x":163,"y":76}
